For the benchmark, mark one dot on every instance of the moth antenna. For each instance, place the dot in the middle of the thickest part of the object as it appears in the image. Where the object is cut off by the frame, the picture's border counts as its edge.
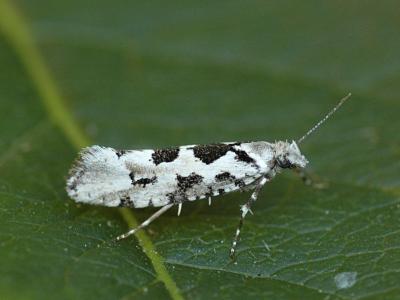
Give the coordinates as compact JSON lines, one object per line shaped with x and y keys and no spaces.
{"x":327,"y":116}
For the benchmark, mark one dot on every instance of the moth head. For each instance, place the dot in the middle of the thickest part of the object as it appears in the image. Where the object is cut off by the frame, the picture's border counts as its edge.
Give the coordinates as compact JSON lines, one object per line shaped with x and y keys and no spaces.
{"x":288,"y":156}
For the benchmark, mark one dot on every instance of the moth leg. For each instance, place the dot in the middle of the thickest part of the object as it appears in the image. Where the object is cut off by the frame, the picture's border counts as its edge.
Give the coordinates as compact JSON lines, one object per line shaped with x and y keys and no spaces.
{"x":147,"y":222}
{"x":308,"y":179}
{"x":179,"y":208}
{"x":245,"y":209}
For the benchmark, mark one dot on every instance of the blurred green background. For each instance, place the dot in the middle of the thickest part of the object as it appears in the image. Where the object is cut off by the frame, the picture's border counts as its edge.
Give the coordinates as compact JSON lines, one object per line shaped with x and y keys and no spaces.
{"x":154,"y":74}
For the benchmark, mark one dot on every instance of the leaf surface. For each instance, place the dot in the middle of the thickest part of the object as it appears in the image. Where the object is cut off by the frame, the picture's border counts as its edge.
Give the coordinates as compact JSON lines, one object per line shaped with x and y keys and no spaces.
{"x":156,"y":74}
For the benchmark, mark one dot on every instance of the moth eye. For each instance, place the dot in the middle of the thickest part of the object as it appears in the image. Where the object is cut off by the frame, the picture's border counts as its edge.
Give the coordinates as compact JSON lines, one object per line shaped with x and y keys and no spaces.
{"x":285,"y":164}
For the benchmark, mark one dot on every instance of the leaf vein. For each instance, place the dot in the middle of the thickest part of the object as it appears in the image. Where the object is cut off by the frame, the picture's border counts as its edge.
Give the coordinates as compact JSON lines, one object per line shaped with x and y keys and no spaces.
{"x":17,"y":32}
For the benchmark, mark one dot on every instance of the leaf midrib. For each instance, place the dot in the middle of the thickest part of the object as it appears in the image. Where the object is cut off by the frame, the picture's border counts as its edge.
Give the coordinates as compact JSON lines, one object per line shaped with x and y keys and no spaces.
{"x":16,"y":30}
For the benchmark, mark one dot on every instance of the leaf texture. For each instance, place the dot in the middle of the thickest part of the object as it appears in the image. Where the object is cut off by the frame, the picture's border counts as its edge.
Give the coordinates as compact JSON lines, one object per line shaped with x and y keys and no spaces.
{"x":155,"y":74}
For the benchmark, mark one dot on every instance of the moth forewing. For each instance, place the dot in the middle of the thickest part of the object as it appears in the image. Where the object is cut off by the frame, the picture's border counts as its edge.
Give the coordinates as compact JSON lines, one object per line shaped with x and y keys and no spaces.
{"x":141,"y":178}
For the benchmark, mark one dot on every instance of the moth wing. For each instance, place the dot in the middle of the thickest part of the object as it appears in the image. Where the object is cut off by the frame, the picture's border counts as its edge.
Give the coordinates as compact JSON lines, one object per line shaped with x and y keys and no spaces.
{"x":140,"y":178}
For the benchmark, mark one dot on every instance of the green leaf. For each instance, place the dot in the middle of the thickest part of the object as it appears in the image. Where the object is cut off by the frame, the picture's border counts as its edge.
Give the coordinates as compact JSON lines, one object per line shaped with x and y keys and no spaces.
{"x":155,"y":74}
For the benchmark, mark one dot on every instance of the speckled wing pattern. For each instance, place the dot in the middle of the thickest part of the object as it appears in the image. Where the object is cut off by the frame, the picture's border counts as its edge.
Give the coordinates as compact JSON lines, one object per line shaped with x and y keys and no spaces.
{"x":141,"y":178}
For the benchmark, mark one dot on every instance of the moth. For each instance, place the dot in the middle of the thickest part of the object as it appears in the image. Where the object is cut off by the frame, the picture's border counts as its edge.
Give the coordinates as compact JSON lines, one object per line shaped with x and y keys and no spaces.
{"x":169,"y":177}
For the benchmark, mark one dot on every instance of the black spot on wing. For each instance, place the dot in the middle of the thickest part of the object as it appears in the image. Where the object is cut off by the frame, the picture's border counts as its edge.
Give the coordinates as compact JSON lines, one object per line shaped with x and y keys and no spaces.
{"x":125,"y":201}
{"x":224,"y":176}
{"x":73,"y":185}
{"x":186,"y":182}
{"x":120,"y":153}
{"x":170,"y":197}
{"x":210,"y":153}
{"x":145,"y":181}
{"x":240,"y":183}
{"x":132,"y":177}
{"x":243,"y":156}
{"x":75,"y":174}
{"x":175,"y":197}
{"x":221,"y":191}
{"x":165,"y":155}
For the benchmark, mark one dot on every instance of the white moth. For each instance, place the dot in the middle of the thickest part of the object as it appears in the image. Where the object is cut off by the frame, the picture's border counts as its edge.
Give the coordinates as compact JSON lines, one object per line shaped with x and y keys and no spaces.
{"x":167,"y":177}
